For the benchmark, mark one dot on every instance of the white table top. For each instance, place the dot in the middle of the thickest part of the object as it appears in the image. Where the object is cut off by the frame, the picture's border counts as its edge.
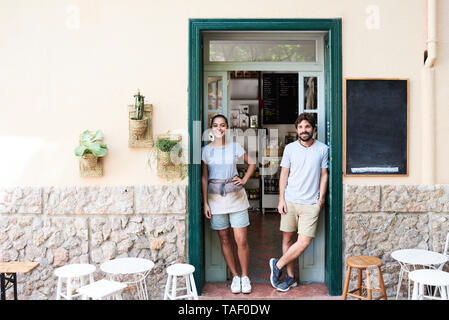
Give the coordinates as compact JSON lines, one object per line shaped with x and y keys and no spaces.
{"x":419,"y":257}
{"x":430,"y":277}
{"x":127,"y":265}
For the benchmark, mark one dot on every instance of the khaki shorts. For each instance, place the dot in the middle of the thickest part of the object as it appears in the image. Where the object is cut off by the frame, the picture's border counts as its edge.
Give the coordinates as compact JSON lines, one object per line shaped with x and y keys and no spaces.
{"x":300,"y":217}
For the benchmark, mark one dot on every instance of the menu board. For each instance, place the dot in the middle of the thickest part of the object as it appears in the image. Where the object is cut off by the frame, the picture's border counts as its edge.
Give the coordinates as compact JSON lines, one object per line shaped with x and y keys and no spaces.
{"x":376,"y":127}
{"x":280,"y":98}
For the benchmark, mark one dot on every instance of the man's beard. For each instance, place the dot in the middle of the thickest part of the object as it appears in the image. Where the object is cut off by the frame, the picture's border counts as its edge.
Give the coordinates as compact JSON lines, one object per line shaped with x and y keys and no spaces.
{"x":307,"y":139}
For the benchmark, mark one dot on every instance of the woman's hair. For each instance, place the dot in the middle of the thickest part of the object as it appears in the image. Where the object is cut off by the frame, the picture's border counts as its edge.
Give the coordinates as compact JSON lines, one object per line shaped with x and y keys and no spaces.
{"x":219,"y":116}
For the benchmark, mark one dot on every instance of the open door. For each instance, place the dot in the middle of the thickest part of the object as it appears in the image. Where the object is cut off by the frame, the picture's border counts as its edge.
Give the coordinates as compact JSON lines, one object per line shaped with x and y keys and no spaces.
{"x":215,"y":97}
{"x":311,"y":100}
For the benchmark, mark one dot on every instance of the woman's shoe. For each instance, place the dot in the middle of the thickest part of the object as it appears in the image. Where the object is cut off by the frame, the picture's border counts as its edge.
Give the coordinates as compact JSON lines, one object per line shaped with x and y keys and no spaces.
{"x":246,"y":285}
{"x":236,"y":286}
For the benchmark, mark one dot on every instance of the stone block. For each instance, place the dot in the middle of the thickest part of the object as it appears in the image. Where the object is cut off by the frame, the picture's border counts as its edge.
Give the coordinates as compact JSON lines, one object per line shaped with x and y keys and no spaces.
{"x":414,"y":198}
{"x":361,"y":198}
{"x":21,"y":200}
{"x":161,"y":199}
{"x":88,"y":200}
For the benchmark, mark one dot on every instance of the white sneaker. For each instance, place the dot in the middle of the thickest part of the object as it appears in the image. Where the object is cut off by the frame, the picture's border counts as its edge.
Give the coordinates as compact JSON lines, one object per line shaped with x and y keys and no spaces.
{"x":246,"y":285}
{"x":236,"y":286}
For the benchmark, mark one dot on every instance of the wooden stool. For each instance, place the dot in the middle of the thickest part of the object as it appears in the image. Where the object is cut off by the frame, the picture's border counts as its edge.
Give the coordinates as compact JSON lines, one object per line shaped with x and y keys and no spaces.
{"x":363,"y":263}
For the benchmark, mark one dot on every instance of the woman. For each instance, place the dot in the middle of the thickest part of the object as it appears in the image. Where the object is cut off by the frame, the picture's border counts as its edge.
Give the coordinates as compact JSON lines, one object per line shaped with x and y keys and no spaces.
{"x":225,"y":200}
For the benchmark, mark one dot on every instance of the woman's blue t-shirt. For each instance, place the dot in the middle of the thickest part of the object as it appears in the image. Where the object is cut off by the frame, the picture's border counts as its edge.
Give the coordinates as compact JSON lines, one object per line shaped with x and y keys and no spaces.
{"x":221,"y":161}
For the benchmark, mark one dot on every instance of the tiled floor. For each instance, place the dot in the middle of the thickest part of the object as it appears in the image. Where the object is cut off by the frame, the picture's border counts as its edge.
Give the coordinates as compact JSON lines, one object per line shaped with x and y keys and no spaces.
{"x":265,"y":241}
{"x":261,"y":291}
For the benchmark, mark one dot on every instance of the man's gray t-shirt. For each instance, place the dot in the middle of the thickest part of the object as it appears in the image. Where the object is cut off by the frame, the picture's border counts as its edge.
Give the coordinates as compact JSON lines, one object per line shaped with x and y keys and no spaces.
{"x":305,"y":163}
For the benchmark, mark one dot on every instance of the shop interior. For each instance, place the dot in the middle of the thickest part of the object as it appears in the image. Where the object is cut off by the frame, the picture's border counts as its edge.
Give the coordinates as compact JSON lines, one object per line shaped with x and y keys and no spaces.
{"x":262,"y":108}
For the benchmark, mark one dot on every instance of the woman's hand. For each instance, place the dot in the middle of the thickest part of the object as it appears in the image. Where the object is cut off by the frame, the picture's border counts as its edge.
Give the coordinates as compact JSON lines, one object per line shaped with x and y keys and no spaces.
{"x":238,"y":181}
{"x":207,"y":212}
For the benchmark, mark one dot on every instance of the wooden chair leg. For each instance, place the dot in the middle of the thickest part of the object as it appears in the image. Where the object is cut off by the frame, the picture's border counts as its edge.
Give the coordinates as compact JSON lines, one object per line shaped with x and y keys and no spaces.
{"x":345,"y":290}
{"x":381,"y":283}
{"x":359,"y":283}
{"x":368,"y":285}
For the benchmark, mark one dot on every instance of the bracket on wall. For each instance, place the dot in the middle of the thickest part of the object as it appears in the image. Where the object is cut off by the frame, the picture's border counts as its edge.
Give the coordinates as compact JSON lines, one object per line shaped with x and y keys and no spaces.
{"x":91,"y":171}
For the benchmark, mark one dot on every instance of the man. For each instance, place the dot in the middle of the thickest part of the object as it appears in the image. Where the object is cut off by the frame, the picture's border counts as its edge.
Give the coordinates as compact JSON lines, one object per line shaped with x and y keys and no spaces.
{"x":302,"y":189}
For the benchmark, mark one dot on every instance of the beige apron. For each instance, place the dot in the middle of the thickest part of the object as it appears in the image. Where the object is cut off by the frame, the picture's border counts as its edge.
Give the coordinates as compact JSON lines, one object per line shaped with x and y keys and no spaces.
{"x":224,"y":196}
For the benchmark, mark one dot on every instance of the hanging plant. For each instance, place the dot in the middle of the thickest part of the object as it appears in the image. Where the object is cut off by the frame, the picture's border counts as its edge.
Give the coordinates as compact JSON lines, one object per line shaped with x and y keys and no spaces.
{"x":139,"y":123}
{"x":169,"y":149}
{"x":91,"y":148}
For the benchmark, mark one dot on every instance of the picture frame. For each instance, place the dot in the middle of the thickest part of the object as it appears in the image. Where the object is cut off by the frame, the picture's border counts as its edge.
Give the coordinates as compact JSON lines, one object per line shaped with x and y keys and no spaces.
{"x":254,"y":121}
{"x":243,"y":121}
{"x":244,"y":108}
{"x":234,"y":118}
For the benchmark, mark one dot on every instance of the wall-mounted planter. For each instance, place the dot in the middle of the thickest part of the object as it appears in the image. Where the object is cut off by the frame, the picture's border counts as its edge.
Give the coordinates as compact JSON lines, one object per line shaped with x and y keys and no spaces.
{"x":90,"y":166}
{"x":140,"y":131}
{"x":90,"y":151}
{"x":168,"y":154}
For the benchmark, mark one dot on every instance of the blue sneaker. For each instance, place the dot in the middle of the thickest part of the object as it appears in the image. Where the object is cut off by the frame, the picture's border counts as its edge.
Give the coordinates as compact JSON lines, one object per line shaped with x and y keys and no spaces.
{"x":275,"y":273}
{"x":287,"y":284}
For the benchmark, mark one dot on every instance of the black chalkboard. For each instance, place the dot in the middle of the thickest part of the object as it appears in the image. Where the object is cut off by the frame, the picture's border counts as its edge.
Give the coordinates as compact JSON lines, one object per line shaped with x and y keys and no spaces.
{"x":280,"y":98}
{"x":376,"y":127}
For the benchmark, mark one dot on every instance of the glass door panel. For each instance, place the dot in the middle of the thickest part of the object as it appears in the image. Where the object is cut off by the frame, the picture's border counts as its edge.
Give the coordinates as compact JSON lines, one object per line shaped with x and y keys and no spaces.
{"x":216,"y":95}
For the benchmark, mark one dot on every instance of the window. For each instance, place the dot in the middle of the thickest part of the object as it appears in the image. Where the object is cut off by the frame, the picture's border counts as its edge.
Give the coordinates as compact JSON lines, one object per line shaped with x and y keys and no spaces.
{"x":262,"y":51}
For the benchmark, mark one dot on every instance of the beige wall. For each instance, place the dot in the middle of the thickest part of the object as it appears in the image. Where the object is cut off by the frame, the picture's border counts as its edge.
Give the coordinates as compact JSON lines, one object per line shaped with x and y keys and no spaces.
{"x":57,"y":80}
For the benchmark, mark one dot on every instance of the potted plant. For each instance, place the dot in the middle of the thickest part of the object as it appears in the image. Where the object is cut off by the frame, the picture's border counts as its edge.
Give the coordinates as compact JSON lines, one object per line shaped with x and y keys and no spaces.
{"x":91,"y":148}
{"x":164,"y":144}
{"x":139,"y":123}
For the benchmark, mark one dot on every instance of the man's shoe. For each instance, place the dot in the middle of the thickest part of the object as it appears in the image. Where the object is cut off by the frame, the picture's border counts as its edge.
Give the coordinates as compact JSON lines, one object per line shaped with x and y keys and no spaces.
{"x":246,"y":285}
{"x":287,"y":284}
{"x":275,"y":273}
{"x":236,"y":286}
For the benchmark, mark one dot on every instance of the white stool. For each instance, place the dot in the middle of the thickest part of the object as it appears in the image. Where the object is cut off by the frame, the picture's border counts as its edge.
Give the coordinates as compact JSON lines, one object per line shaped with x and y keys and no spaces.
{"x":102,"y":289}
{"x":430,"y":277}
{"x":180,"y":269}
{"x":69,"y":272}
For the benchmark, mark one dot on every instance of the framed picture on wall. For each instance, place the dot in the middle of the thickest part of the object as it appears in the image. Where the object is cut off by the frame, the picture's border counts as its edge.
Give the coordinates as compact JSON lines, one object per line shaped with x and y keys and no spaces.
{"x":234,"y":118}
{"x":243,"y":121}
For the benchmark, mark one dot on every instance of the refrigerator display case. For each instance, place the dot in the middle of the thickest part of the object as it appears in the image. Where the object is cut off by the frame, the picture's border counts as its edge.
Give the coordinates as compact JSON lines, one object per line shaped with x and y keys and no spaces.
{"x":270,"y":171}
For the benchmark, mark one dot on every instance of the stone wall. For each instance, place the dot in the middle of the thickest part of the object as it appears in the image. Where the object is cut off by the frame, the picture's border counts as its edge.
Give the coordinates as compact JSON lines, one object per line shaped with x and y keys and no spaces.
{"x":60,"y":225}
{"x":379,"y":219}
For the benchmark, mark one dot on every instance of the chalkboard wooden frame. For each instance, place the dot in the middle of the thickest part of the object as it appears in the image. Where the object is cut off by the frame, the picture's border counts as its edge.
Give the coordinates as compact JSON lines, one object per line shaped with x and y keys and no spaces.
{"x":345,"y":129}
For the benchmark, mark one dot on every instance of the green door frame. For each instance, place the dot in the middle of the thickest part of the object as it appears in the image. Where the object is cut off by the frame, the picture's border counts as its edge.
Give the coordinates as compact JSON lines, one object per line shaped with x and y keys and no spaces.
{"x":334,"y":219}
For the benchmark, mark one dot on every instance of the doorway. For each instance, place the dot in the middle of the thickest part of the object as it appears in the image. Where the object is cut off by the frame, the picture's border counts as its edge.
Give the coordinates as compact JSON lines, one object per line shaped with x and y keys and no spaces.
{"x":331,"y":76}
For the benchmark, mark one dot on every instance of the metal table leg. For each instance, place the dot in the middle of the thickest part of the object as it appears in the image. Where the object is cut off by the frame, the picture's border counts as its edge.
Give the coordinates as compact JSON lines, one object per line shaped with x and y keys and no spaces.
{"x":3,"y":286}
{"x":4,"y":281}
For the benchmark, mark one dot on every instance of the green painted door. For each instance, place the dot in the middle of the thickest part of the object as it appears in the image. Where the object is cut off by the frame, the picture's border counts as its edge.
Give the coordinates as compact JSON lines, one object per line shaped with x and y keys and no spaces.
{"x":334,"y":219}
{"x":312,"y":100}
{"x":215,"y":101}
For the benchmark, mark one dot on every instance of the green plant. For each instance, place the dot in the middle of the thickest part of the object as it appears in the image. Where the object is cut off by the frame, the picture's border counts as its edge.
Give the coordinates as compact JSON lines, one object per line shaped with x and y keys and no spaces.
{"x":139,"y":105}
{"x":165,"y":145}
{"x":91,"y":143}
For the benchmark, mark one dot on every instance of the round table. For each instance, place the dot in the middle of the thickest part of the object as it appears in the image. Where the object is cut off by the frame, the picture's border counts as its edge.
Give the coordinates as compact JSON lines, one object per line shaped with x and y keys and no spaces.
{"x":138,"y":267}
{"x":410,"y":258}
{"x":436,"y":278}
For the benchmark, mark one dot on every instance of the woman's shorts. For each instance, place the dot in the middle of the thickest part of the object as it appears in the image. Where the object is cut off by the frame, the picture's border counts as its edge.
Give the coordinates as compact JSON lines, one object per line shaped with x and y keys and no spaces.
{"x":239,"y":219}
{"x":302,"y":218}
